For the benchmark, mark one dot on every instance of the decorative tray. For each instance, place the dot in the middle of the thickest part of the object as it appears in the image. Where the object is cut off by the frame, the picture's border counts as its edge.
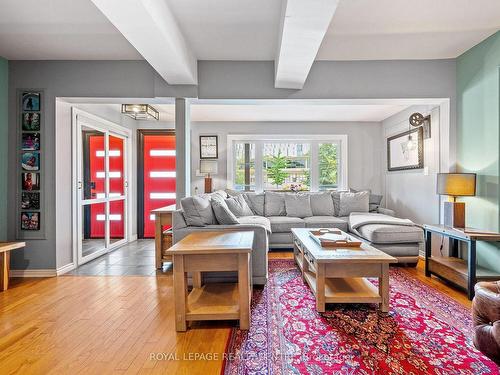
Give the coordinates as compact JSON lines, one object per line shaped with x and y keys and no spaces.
{"x":333,"y":239}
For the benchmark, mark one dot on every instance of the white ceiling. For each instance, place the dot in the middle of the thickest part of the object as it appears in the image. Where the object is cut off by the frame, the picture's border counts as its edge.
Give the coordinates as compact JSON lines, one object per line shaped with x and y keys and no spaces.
{"x":286,"y":112}
{"x":249,"y":29}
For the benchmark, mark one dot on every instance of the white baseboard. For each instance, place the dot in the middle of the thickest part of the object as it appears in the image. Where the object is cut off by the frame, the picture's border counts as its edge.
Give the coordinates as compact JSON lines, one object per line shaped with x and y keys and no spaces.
{"x":132,"y":238}
{"x":33,"y":273}
{"x":64,"y":269}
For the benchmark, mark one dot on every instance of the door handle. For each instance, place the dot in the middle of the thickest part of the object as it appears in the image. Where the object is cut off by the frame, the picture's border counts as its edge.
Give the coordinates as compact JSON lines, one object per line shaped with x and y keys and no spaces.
{"x":79,"y":185}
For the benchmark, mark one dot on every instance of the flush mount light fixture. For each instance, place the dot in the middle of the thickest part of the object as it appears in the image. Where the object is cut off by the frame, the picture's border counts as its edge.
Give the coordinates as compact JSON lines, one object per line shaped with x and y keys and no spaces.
{"x":140,"y":111}
{"x":418,"y":119}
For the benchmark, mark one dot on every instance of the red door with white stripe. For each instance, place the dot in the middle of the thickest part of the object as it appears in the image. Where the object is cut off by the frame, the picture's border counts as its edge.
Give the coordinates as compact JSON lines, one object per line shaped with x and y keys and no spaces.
{"x":159,"y":177}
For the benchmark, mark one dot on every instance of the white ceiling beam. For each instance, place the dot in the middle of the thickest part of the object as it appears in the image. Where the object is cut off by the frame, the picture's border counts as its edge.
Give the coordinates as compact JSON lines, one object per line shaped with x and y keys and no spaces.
{"x":303,"y":26}
{"x":152,"y":29}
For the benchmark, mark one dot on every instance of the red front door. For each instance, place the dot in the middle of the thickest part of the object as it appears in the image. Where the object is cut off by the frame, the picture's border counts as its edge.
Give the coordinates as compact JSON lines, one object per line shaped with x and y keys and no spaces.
{"x":159,"y":176}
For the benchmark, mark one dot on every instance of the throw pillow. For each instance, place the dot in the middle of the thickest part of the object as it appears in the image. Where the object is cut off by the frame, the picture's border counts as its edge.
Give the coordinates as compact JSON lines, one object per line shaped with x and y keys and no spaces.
{"x":274,"y":204}
{"x":322,"y":204}
{"x":375,"y":202}
{"x":298,"y":205}
{"x":238,"y":206}
{"x":353,"y":202}
{"x":256,"y":202}
{"x":223,"y":213}
{"x":198,"y":211}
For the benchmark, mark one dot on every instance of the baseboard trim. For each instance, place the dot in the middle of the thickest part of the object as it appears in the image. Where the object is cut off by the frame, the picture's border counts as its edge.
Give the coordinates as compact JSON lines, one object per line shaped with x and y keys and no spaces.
{"x":33,"y":273}
{"x":132,"y":238}
{"x":64,"y":269}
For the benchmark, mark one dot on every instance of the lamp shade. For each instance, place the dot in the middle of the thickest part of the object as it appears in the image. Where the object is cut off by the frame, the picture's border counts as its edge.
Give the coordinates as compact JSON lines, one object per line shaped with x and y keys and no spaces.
{"x":456,"y":184}
{"x":208,"y":166}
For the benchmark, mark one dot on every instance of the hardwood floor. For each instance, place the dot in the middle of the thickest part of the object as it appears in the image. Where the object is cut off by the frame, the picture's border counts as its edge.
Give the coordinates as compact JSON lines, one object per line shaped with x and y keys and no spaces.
{"x":112,"y":324}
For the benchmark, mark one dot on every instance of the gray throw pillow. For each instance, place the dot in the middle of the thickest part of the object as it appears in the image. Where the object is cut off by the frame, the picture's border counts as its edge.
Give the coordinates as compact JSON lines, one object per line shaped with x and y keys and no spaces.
{"x":223,"y":213}
{"x":256,"y":202}
{"x":239,"y":206}
{"x":322,"y":204}
{"x":298,"y":205}
{"x":375,"y":202}
{"x":198,"y":211}
{"x":274,"y":204}
{"x":353,"y":202}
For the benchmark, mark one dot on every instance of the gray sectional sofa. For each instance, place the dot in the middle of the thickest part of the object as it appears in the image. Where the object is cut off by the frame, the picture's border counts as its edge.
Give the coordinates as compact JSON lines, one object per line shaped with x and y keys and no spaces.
{"x":272,"y":215}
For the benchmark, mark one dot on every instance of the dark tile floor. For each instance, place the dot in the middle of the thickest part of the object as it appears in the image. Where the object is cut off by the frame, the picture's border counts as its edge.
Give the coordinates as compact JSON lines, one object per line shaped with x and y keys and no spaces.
{"x":134,"y":259}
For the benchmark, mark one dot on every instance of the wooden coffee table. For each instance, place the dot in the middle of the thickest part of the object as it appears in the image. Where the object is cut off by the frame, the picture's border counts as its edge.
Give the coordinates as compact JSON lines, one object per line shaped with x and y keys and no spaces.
{"x":213,"y":251}
{"x":339,"y":275}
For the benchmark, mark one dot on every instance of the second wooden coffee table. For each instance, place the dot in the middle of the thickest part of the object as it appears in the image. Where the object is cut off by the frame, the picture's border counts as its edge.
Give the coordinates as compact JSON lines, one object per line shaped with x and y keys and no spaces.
{"x":339,"y":276}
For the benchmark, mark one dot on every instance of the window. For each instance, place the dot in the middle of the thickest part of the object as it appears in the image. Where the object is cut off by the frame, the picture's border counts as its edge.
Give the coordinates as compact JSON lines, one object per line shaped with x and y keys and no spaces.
{"x":275,"y":162}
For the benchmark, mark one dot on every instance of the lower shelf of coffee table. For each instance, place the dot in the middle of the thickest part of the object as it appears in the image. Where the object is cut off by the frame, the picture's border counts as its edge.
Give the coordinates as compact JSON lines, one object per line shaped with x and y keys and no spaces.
{"x":346,"y":290}
{"x":213,"y":302}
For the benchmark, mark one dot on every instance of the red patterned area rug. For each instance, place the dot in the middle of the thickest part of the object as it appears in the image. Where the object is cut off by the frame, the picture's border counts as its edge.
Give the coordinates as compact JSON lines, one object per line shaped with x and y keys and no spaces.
{"x":425,"y":332}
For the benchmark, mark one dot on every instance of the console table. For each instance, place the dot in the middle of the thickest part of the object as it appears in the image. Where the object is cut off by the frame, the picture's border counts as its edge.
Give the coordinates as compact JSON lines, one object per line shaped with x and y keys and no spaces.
{"x":460,"y":272}
{"x":5,"y":249}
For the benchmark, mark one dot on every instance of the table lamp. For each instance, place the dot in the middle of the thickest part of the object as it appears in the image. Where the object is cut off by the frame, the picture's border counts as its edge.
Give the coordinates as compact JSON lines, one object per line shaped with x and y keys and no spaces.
{"x":208,"y":167}
{"x":455,"y":185}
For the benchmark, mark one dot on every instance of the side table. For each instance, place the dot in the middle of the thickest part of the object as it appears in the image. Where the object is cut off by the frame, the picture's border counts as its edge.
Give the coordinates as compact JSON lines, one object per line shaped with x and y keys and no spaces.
{"x":460,"y":272}
{"x":5,"y":249}
{"x":212,"y":251}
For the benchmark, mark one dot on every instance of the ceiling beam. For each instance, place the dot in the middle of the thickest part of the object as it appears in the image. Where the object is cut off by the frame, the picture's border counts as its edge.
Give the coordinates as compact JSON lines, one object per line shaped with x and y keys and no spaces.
{"x":152,"y":29}
{"x":303,"y":25}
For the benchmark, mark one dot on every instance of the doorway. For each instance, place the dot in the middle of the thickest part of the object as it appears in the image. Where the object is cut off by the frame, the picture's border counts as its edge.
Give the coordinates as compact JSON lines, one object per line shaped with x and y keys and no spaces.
{"x":101,"y":161}
{"x":156,"y":176}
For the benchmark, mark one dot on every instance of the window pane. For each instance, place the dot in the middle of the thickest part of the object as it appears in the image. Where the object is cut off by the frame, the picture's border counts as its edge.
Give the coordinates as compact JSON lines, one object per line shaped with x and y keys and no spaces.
{"x":328,"y":166}
{"x":244,"y":173}
{"x":286,"y":166}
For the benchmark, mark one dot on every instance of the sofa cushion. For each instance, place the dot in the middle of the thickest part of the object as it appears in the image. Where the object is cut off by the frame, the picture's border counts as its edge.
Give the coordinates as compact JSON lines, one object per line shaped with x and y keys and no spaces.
{"x":326,"y":222}
{"x":346,"y":202}
{"x":298,"y":204}
{"x":322,"y":204}
{"x":222,"y":213}
{"x":255,"y":202}
{"x":239,"y":206}
{"x":256,"y":220}
{"x":198,"y":211}
{"x":274,"y":204}
{"x":285,"y":223}
{"x":386,"y":233}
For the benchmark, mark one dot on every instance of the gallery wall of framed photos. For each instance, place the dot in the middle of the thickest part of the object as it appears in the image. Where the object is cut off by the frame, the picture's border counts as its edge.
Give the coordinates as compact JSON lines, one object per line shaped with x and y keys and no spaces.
{"x":30,"y":192}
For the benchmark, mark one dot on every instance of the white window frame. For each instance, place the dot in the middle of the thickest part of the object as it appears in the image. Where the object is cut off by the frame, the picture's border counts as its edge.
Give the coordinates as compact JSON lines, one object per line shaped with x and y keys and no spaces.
{"x":314,"y":140}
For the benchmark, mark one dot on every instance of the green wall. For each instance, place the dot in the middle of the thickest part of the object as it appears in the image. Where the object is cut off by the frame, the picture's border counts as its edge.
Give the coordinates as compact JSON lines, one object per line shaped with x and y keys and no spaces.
{"x":4,"y":120}
{"x":478,"y":94}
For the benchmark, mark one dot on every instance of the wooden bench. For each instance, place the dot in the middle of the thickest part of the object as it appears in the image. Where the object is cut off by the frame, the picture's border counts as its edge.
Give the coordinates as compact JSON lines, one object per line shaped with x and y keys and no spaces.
{"x":5,"y":249}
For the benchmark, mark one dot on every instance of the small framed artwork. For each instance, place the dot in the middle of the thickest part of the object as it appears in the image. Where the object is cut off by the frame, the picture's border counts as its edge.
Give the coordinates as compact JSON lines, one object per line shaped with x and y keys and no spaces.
{"x":30,"y":181}
{"x":31,"y":121}
{"x":209,"y":147}
{"x":406,"y":150}
{"x":30,"y":201}
{"x":31,"y":101}
{"x":30,"y":161}
{"x":31,"y":141}
{"x":30,"y":221}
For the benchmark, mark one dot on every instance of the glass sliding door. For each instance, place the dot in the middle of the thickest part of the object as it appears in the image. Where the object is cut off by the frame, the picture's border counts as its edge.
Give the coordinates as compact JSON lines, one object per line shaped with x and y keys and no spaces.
{"x":101,"y":190}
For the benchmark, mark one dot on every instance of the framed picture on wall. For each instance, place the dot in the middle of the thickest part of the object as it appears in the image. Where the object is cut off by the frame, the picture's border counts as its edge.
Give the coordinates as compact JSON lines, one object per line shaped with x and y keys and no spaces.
{"x":30,"y":161}
{"x":31,"y":141}
{"x":31,"y":101}
{"x":30,"y":221}
{"x":209,"y":147}
{"x":31,"y":121}
{"x":30,"y":181}
{"x":406,"y":150}
{"x":30,"y":200}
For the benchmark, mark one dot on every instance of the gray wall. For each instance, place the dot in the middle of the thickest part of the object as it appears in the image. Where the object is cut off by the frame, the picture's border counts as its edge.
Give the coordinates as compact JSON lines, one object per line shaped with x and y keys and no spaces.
{"x":130,"y":79}
{"x":217,"y":79}
{"x":363,"y":137}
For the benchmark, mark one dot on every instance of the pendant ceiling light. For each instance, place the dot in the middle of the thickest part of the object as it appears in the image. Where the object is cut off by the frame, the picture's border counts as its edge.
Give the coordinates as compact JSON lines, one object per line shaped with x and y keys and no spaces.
{"x":140,"y":111}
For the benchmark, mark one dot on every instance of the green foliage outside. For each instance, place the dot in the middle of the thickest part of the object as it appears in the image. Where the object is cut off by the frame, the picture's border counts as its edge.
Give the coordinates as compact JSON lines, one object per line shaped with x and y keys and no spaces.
{"x":275,"y":170}
{"x":328,"y":166}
